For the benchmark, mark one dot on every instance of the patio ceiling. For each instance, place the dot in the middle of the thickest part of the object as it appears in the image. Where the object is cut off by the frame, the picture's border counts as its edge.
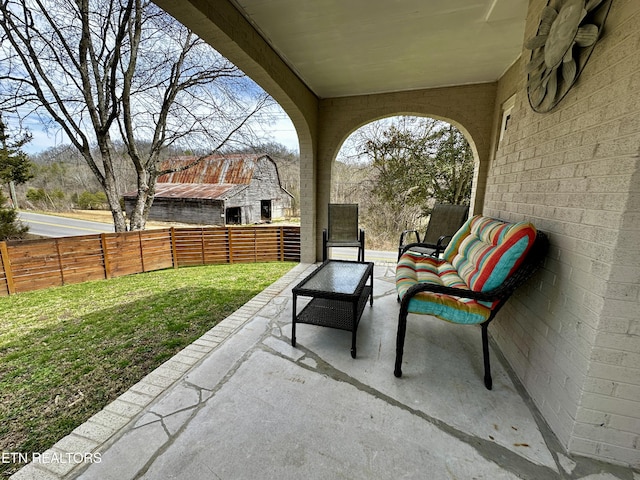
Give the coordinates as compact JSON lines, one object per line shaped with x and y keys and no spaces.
{"x":354,"y":47}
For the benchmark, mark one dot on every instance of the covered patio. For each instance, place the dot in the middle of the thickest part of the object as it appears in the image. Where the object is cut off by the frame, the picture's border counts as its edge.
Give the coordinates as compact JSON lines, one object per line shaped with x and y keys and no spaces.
{"x":572,"y":337}
{"x":241,"y":402}
{"x":567,"y":394}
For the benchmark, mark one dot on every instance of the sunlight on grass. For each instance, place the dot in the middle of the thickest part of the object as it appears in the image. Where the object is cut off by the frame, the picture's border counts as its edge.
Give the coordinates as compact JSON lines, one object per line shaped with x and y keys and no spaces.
{"x":66,"y":352}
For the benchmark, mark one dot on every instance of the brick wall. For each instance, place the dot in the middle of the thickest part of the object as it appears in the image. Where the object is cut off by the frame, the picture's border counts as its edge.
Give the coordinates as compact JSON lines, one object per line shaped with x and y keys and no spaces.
{"x":573,"y":335}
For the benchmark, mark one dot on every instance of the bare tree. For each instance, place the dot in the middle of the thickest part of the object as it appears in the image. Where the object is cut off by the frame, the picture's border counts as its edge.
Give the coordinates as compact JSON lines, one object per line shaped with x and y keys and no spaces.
{"x":397,"y":168}
{"x":111,"y":72}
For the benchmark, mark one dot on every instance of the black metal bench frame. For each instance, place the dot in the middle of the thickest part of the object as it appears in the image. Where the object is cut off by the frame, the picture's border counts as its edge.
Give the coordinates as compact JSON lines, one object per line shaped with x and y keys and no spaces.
{"x":532,"y":262}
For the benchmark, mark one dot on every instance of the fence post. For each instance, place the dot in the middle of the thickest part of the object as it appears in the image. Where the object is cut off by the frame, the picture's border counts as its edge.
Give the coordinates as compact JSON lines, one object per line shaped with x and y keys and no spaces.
{"x":282,"y":244}
{"x":6,"y":264}
{"x":141,"y":251}
{"x":57,"y":243}
{"x":230,"y":242}
{"x":174,"y":250}
{"x":255,"y":244}
{"x":105,"y":256}
{"x":202,"y":244}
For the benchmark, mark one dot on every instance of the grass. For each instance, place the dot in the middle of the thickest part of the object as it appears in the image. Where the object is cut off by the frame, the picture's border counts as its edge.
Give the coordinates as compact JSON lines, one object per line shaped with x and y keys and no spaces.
{"x":66,"y":352}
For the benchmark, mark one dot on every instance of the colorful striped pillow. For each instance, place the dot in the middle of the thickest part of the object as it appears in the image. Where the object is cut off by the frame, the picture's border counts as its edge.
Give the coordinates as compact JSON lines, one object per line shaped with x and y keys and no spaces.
{"x":485,"y":251}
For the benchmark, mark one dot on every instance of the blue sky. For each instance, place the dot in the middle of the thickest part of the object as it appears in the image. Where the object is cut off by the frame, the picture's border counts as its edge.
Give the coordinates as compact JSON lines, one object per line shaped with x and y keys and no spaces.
{"x":281,"y":131}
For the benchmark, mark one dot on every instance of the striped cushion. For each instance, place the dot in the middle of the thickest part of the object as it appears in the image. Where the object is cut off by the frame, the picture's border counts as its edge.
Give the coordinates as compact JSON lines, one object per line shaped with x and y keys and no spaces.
{"x":486,"y":251}
{"x":480,"y":256}
{"x":415,"y":268}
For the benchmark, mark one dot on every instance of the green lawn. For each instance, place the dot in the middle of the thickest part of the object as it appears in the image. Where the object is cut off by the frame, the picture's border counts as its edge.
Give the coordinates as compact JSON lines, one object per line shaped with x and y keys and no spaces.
{"x":66,"y":352}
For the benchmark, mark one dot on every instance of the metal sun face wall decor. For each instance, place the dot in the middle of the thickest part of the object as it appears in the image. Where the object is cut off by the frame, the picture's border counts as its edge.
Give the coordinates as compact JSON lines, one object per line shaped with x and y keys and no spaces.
{"x":567,"y":34}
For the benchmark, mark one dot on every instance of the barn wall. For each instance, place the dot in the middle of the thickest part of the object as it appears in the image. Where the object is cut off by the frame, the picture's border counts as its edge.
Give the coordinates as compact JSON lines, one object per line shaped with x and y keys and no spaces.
{"x":265,"y":185}
{"x":196,"y":211}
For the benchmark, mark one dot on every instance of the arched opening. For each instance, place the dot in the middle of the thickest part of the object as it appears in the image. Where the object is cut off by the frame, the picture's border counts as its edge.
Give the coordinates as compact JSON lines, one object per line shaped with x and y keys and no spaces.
{"x":397,"y":168}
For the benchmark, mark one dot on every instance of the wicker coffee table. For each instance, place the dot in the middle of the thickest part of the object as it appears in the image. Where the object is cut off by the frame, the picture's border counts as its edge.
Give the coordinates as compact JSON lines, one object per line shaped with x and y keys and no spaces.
{"x":339,"y":292}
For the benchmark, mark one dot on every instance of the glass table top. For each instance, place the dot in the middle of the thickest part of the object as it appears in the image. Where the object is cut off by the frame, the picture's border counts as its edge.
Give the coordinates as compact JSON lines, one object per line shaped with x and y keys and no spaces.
{"x":337,"y":277}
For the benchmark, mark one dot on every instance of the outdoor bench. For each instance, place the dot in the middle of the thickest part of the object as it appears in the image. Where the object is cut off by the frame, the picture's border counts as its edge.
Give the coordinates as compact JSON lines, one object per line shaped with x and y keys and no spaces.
{"x":484,"y":263}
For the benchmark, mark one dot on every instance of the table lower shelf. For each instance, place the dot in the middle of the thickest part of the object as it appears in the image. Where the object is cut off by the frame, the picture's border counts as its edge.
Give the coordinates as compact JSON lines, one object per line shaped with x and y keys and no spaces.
{"x":335,"y":314}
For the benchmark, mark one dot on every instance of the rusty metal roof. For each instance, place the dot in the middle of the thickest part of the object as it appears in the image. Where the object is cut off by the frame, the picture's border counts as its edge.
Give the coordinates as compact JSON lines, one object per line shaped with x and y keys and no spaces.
{"x":197,"y":190}
{"x":216,"y":177}
{"x":234,"y":169}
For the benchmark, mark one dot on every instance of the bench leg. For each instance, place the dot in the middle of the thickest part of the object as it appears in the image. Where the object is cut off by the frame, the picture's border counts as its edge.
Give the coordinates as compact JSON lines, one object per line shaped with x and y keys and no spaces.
{"x":402,"y":330}
{"x":488,"y":382}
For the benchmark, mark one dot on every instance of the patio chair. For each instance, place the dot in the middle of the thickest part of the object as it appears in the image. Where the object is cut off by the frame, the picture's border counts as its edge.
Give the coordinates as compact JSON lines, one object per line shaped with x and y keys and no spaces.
{"x":486,"y":260}
{"x":445,"y":220}
{"x":343,"y":229}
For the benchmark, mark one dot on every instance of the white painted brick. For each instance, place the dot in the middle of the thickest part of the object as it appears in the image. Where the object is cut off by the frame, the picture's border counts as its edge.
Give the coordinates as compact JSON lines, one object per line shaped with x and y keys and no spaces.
{"x":32,"y":472}
{"x":589,"y":283}
{"x":625,"y":424}
{"x":622,"y":455}
{"x":593,"y":417}
{"x":584,"y":446}
{"x":109,"y":419}
{"x":607,"y":356}
{"x":615,"y":325}
{"x":619,"y":406}
{"x":615,"y":373}
{"x":629,"y":392}
{"x":123,"y":409}
{"x":621,"y":308}
{"x":600,"y":386}
{"x":631,"y":359}
{"x":137,"y":398}
{"x":605,"y":434}
{"x":624,"y":291}
{"x":628,"y":343}
{"x":594,"y":302}
{"x":95,"y":432}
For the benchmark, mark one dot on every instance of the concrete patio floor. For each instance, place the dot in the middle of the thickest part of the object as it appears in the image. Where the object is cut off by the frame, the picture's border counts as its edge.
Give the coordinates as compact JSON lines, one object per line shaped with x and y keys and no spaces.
{"x":241,"y":403}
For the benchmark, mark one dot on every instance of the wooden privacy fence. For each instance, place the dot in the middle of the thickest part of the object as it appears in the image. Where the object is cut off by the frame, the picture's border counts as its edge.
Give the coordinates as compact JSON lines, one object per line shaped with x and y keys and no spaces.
{"x":35,"y":264}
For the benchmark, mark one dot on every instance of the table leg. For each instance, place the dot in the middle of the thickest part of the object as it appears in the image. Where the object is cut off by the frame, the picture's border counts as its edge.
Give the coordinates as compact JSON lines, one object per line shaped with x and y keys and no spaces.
{"x":355,"y":329}
{"x":293,"y":322}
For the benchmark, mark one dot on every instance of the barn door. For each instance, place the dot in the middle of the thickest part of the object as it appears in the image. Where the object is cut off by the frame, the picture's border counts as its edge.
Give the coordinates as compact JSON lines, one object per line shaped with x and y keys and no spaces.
{"x":265,"y":210}
{"x":234,"y":216}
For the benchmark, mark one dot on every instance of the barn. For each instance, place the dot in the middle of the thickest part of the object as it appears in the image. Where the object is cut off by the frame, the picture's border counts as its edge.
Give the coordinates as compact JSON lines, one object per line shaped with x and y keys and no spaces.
{"x":221,"y":189}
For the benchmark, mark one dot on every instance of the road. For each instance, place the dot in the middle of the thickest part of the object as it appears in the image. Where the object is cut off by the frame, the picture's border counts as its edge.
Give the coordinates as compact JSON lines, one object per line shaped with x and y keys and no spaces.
{"x":55,"y":226}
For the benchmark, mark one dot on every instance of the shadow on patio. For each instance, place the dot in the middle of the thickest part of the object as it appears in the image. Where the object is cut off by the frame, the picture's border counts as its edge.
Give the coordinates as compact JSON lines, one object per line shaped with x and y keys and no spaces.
{"x":241,"y":403}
